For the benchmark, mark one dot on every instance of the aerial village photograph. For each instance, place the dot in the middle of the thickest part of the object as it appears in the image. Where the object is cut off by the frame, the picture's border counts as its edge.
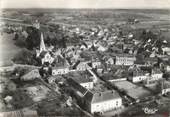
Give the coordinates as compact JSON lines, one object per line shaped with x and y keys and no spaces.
{"x":84,"y":58}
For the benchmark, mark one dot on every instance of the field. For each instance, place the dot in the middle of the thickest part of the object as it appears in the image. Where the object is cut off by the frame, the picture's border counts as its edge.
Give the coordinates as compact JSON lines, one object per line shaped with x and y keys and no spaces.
{"x":134,"y":91}
{"x":7,"y":47}
{"x":90,"y":16}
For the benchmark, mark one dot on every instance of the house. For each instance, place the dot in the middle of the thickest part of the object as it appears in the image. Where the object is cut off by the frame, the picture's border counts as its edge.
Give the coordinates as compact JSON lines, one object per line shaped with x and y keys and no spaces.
{"x":123,"y":59}
{"x":151,"y":61}
{"x":102,"y":49}
{"x":46,"y":57}
{"x":166,"y":50}
{"x":60,"y":70}
{"x":115,"y":49}
{"x":138,"y":75}
{"x":94,"y":63}
{"x":165,"y":87}
{"x":168,"y":68}
{"x":85,"y":79}
{"x":110,"y":61}
{"x":96,"y":101}
{"x":150,"y":81}
{"x":81,"y":65}
{"x":102,"y":101}
{"x":156,"y":74}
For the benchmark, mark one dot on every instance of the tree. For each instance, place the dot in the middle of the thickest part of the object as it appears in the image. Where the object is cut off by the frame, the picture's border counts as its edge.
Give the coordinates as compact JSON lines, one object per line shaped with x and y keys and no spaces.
{"x":25,"y":57}
{"x":33,"y":39}
{"x":20,"y":40}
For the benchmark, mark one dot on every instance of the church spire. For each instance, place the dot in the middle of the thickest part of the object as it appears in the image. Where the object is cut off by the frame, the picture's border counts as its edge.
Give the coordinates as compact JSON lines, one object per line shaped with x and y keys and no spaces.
{"x":42,"y":45}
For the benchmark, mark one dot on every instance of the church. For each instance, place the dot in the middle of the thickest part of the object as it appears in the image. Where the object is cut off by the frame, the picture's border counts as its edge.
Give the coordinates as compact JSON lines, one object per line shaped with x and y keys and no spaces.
{"x":44,"y":55}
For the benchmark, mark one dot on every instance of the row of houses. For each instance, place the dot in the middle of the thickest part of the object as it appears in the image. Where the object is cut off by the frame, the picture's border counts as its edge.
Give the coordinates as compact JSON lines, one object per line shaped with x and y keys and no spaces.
{"x":139,"y":75}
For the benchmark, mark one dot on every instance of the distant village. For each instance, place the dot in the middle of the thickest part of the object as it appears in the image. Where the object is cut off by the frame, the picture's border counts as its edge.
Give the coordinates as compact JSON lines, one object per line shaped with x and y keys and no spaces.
{"x":97,"y":70}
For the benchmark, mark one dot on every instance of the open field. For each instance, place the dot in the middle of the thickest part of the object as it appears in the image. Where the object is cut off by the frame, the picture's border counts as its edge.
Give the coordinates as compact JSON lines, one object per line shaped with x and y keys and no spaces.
{"x":88,"y":16}
{"x":7,"y":47}
{"x":134,"y":91}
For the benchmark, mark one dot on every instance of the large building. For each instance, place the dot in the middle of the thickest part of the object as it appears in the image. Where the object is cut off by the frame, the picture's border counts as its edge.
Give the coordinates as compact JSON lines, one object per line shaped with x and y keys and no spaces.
{"x":165,"y":87}
{"x":103,"y":101}
{"x":121,"y":59}
{"x":139,"y":75}
{"x":85,"y":79}
{"x":96,"y":101}
{"x":44,"y":55}
{"x":60,"y":70}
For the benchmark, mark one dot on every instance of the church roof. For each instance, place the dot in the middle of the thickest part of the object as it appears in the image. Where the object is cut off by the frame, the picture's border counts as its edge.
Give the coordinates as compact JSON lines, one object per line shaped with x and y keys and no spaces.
{"x":42,"y":45}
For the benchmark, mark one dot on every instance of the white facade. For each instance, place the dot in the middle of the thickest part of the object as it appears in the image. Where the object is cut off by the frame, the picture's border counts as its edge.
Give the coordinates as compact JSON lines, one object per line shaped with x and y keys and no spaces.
{"x":106,"y":105}
{"x":102,"y":49}
{"x":138,"y":78}
{"x":145,"y":77}
{"x":96,"y":64}
{"x":60,"y":71}
{"x":164,"y":91}
{"x":168,"y":68}
{"x":83,"y":66}
{"x":87,"y":85}
{"x":125,"y":60}
{"x":157,"y":76}
{"x":167,"y":50}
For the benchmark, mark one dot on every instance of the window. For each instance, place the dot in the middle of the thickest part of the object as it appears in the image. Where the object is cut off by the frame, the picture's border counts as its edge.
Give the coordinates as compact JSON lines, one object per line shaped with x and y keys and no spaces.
{"x":116,"y":103}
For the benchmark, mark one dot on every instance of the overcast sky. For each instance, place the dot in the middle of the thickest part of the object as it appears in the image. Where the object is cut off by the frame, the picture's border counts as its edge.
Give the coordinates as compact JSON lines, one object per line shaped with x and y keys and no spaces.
{"x":85,"y":3}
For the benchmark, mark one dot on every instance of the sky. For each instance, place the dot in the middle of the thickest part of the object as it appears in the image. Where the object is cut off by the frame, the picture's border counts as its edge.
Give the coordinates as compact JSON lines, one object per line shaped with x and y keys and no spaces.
{"x":85,"y":4}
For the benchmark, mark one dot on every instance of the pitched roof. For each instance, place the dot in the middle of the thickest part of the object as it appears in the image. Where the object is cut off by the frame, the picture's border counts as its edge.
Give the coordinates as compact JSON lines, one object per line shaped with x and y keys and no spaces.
{"x":82,"y":91}
{"x":80,"y":77}
{"x":42,"y":54}
{"x":139,"y":72}
{"x":156,"y":71}
{"x":166,"y":84}
{"x":93,"y":97}
{"x":101,"y":96}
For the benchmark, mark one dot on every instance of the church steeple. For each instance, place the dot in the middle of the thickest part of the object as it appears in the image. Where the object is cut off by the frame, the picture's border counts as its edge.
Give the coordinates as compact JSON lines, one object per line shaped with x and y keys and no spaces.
{"x":42,"y":45}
